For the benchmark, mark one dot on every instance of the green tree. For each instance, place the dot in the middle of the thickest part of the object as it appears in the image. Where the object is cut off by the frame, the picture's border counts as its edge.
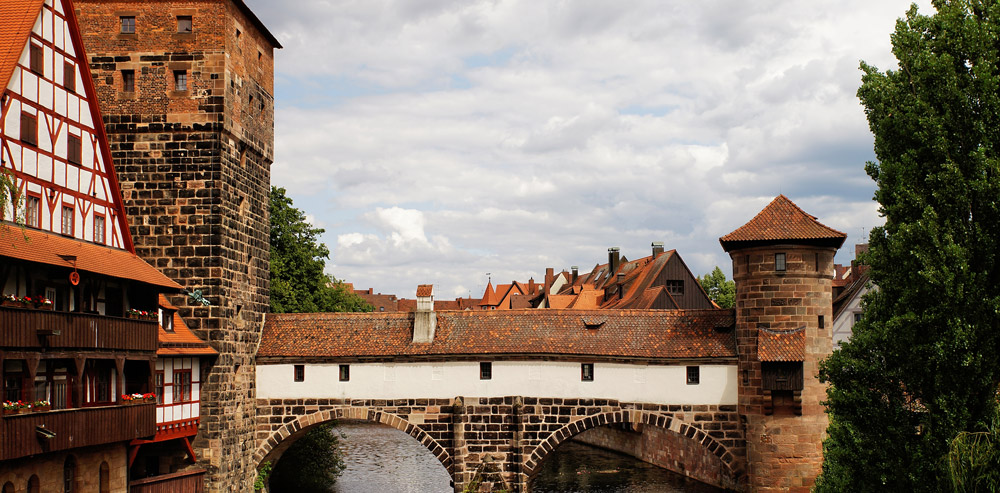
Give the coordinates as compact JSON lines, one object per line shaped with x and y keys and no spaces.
{"x":720,"y":290}
{"x":298,"y":281}
{"x":304,"y":467}
{"x":922,"y":365}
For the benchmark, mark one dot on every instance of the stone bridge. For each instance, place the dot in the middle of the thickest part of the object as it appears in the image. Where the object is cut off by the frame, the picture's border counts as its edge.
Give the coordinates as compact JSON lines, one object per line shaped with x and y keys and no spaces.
{"x":502,"y":442}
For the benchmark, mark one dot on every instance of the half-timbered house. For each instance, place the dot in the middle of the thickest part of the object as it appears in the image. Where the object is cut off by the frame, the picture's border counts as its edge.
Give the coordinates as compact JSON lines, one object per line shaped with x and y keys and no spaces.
{"x":78,"y":331}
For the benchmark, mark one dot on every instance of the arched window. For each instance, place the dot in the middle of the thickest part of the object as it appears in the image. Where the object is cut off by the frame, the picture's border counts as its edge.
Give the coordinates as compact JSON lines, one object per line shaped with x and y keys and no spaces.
{"x":105,"y":478}
{"x":8,"y":487}
{"x":34,"y":485}
{"x":69,"y":474}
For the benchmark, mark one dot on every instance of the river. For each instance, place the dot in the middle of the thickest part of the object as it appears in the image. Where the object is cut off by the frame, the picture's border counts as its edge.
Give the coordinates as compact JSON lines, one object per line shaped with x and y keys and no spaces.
{"x":385,"y":460}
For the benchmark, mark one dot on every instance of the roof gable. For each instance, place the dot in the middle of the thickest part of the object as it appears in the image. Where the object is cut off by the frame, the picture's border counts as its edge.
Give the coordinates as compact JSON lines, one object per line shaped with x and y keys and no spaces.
{"x":782,"y":220}
{"x":17,"y":18}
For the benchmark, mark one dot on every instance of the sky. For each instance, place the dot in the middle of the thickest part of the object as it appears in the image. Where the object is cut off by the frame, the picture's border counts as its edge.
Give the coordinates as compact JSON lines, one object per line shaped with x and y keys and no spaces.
{"x":448,"y":142}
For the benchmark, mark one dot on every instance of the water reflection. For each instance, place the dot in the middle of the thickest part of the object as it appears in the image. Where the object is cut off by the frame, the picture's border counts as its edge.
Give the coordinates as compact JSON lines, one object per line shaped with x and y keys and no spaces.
{"x":385,"y":460}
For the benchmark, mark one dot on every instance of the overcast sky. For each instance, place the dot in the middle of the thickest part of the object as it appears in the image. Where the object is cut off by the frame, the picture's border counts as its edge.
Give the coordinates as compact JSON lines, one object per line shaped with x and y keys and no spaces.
{"x":437,"y":141}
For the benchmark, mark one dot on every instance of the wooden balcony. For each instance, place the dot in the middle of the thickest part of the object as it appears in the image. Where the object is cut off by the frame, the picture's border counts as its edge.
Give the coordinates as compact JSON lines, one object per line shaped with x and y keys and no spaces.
{"x":187,"y":481}
{"x":74,"y":428}
{"x":34,"y":329}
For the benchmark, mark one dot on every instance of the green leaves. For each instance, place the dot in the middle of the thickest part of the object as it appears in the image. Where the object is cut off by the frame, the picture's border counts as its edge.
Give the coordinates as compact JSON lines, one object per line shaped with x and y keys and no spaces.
{"x":921,"y":367}
{"x":721,"y":291}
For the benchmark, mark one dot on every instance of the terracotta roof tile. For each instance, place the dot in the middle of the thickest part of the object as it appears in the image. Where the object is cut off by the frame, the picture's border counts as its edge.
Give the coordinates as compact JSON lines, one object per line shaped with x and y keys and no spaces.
{"x":625,"y":333}
{"x":17,"y":17}
{"x":782,"y":220}
{"x":781,"y":345}
{"x":47,"y":248}
{"x":425,"y":290}
{"x":181,"y":341}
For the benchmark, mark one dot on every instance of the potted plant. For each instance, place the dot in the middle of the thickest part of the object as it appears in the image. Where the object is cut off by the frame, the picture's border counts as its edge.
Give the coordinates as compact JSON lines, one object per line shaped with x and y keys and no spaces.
{"x":131,"y":399}
{"x":140,"y":314}
{"x":39,"y":302}
{"x":12,"y":301}
{"x":149,"y":397}
{"x":16,"y":407}
{"x":41,"y":406}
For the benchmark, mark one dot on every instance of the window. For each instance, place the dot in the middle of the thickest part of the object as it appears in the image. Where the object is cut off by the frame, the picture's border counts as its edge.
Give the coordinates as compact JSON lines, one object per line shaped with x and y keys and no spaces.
{"x":97,"y":382}
{"x":67,"y":220}
{"x":822,"y":322}
{"x":33,"y":211}
{"x":182,"y":386}
{"x":105,"y":478}
{"x":779,"y":262}
{"x":29,"y":129}
{"x":167,"y":320}
{"x":128,"y":24}
{"x":857,"y":317}
{"x":345,"y":373}
{"x":587,"y":372}
{"x":485,"y":370}
{"x":8,"y":487}
{"x":98,"y":229}
{"x":69,"y":474}
{"x":69,"y":76}
{"x":158,"y":386}
{"x":36,"y":59}
{"x":128,"y":80}
{"x":381,"y":308}
{"x":74,"y":149}
{"x":675,"y":287}
{"x":299,"y":373}
{"x":180,"y":80}
{"x":693,"y":375}
{"x":183,"y":23}
{"x":34,"y":485}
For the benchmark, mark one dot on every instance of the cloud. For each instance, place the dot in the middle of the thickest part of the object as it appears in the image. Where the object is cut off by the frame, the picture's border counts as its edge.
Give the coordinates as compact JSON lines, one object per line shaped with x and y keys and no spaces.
{"x":438,"y":140}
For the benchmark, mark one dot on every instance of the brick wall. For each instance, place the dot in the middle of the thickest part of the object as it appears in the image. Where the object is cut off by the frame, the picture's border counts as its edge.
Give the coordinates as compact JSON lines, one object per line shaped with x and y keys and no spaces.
{"x":784,"y":450}
{"x":194,"y":167}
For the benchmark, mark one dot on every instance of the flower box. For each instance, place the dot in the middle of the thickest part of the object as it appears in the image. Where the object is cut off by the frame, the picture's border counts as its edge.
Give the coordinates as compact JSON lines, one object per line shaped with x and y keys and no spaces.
{"x":41,"y":409}
{"x":12,"y":304}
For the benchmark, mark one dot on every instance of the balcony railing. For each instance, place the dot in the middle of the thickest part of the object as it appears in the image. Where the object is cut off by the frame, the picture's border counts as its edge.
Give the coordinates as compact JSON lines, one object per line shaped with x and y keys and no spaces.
{"x":187,"y":481}
{"x":32,"y":329}
{"x":35,"y":433}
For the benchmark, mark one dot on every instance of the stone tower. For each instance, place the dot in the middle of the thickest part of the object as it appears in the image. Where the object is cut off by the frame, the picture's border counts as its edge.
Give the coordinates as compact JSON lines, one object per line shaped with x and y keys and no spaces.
{"x":186,"y":90}
{"x":783,"y":268}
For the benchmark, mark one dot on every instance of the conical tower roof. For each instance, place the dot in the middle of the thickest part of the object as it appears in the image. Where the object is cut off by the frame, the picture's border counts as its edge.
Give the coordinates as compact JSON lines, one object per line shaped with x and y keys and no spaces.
{"x":782,"y":222}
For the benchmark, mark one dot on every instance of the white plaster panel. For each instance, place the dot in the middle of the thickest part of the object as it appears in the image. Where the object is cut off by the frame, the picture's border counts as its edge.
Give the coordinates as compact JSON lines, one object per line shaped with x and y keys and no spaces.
{"x":73,"y":107}
{"x":45,"y":94}
{"x":29,"y":85}
{"x":59,"y":34}
{"x":85,"y":118}
{"x":664,"y":384}
{"x":46,"y":26}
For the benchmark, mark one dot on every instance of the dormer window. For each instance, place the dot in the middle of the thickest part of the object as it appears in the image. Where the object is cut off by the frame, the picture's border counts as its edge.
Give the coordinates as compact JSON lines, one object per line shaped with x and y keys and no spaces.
{"x":167,"y":319}
{"x":779,"y":262}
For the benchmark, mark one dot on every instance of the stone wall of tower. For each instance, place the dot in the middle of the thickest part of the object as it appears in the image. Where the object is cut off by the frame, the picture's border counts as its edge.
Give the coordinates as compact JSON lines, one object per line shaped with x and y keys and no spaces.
{"x":194,"y":167}
{"x":784,"y":450}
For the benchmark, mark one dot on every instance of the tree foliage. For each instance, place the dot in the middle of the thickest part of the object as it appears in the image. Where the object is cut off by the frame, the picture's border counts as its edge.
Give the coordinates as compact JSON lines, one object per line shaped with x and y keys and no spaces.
{"x":974,"y":459}
{"x":922,"y":365}
{"x":298,"y":281}
{"x":719,"y":289}
{"x":304,"y":468}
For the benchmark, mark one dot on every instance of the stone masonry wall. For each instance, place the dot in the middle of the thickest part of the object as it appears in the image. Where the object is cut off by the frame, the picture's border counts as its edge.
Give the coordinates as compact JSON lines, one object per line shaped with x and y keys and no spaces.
{"x":194,"y":167}
{"x":49,"y":469}
{"x":784,"y":451}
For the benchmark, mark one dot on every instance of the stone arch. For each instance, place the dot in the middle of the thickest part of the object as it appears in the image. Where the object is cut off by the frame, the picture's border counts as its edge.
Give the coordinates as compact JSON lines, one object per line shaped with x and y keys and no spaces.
{"x":274,"y":444}
{"x":632,"y":417}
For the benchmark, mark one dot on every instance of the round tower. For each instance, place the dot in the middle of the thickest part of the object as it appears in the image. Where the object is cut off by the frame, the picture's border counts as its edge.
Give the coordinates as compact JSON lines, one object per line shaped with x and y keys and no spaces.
{"x":783,"y":269}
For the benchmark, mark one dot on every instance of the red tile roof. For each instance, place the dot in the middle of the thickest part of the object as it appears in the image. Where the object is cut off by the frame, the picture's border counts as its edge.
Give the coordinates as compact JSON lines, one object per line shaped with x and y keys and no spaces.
{"x":425,"y":290}
{"x":781,"y":345}
{"x":181,"y":341}
{"x":38,"y":246}
{"x":17,"y":17}
{"x":782,"y":220}
{"x":626,"y":333}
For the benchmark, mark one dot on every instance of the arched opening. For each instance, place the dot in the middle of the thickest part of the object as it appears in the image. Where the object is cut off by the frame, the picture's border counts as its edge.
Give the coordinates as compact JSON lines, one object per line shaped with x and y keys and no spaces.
{"x":674,"y":446}
{"x":380,"y":425}
{"x":8,"y":487}
{"x":69,"y":474}
{"x":105,"y":478}
{"x":34,"y":485}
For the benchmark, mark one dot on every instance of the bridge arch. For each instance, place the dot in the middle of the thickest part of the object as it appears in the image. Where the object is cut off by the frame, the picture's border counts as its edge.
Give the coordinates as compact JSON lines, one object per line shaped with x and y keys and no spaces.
{"x":728,"y":471}
{"x":276,"y":443}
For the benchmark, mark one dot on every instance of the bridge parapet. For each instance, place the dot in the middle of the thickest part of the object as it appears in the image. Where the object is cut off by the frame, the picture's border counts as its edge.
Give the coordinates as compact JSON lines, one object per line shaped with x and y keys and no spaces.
{"x":511,"y":437}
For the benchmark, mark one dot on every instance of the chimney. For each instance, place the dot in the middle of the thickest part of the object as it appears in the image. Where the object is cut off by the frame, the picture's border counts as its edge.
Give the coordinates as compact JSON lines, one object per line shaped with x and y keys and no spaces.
{"x":531,"y":286}
{"x":424,"y":319}
{"x":612,"y":260}
{"x":621,"y":285}
{"x":576,"y":273}
{"x":550,"y":278}
{"x":657,"y":249}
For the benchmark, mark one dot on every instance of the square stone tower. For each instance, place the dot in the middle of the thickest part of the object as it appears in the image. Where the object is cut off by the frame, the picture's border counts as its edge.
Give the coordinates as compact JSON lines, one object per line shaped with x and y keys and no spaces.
{"x":186,"y":90}
{"x":783,"y":268}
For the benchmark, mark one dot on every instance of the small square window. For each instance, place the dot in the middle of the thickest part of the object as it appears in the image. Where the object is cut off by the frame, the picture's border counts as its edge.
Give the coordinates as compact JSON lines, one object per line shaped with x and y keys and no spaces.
{"x":675,"y":287}
{"x":33,"y":211}
{"x":128,"y":80}
{"x":180,"y":80}
{"x":300,"y":373}
{"x":857,"y":317}
{"x":74,"y":149}
{"x":36,"y":59}
{"x":586,"y":372}
{"x":345,"y":373}
{"x":29,"y":129}
{"x":69,"y":76}
{"x":183,"y":23}
{"x":67,"y":220}
{"x":779,"y":262}
{"x":693,"y":375}
{"x":99,"y":229}
{"x":127,"y":24}
{"x":485,"y":370}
